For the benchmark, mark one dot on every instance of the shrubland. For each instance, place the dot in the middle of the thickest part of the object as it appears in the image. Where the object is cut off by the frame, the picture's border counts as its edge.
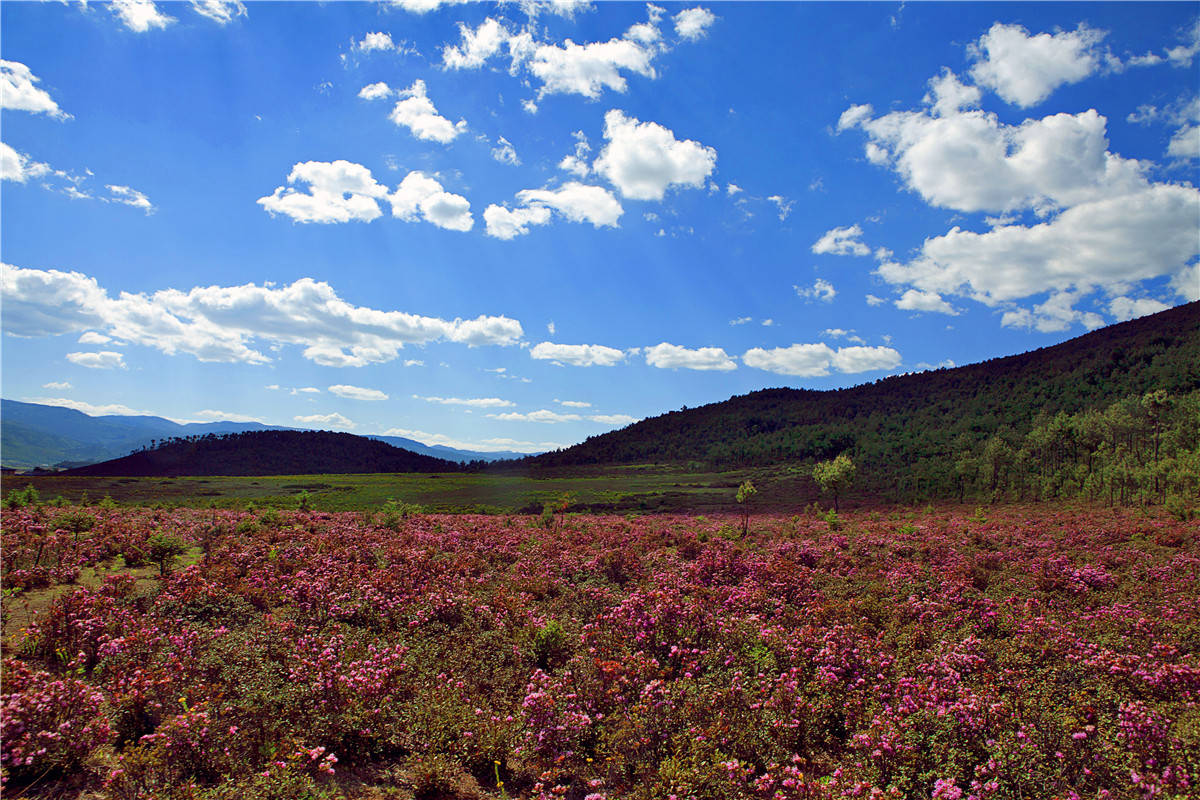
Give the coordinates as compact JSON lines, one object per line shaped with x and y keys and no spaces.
{"x":1000,"y":652}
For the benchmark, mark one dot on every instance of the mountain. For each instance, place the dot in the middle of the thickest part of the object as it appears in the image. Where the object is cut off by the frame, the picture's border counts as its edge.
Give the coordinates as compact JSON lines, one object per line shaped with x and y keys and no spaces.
{"x":907,"y":429}
{"x":35,"y":435}
{"x":275,"y":452}
{"x":448,"y":453}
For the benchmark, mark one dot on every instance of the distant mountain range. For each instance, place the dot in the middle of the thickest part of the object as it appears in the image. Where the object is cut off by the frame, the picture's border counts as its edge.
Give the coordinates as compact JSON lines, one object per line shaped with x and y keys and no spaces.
{"x":270,"y":452}
{"x":35,"y":435}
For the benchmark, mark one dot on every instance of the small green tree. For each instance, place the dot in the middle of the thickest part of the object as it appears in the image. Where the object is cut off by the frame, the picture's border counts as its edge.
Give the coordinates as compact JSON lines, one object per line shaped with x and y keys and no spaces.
{"x":835,"y":476}
{"x":162,"y":550}
{"x":744,"y":493}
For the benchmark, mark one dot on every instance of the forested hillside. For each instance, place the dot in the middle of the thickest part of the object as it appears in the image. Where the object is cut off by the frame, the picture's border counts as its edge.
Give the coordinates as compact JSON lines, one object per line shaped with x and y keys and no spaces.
{"x":907,"y":432}
{"x":268,"y":453}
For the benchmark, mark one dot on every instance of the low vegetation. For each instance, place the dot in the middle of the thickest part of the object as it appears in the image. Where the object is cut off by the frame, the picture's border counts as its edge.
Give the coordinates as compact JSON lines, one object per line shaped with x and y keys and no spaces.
{"x":1004,"y":652}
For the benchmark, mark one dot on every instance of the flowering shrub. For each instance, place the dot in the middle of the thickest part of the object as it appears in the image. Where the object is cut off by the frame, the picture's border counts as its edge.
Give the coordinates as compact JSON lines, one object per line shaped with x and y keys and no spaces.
{"x":1027,"y":653}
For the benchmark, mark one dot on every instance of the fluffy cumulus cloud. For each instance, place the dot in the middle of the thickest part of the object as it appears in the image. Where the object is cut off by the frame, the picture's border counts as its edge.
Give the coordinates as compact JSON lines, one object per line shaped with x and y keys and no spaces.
{"x":338,"y":191}
{"x":327,"y":421}
{"x":613,"y":419}
{"x":916,"y":300}
{"x":587,"y":69}
{"x":1108,"y":244}
{"x":816,"y":360}
{"x":421,"y":197}
{"x":1056,"y":313}
{"x":375,"y":41}
{"x":140,"y":16}
{"x":693,"y":23}
{"x":357,"y":392}
{"x":842,"y":242}
{"x":644,"y":159}
{"x":228,"y":323}
{"x":577,"y":355}
{"x":105,"y":359}
{"x":1072,"y":217}
{"x":375,"y":91}
{"x":1025,"y":69}
{"x":342,"y":191}
{"x":504,"y":223}
{"x":1125,"y":308}
{"x":671,"y":356}
{"x":575,"y":201}
{"x":18,"y":92}
{"x":221,"y":12}
{"x":416,"y":112}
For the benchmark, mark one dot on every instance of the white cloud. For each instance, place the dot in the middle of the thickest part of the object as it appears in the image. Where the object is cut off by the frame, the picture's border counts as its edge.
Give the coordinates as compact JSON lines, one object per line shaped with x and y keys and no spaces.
{"x":218,"y":323}
{"x":613,"y":419}
{"x":220,"y":11}
{"x":693,"y":23}
{"x":140,"y":15}
{"x":578,"y":355}
{"x":18,"y":93}
{"x":842,"y":242}
{"x":577,"y":163}
{"x":1186,"y":282}
{"x":505,"y":153}
{"x":305,"y":390}
{"x":503,"y":223}
{"x":783,"y":204}
{"x":948,"y":95}
{"x":670,"y":356}
{"x":91,"y":337}
{"x":477,"y":45}
{"x":529,"y":106}
{"x":375,"y":41}
{"x":375,"y":91}
{"x":1182,"y":55}
{"x":417,"y":113}
{"x":865,"y":359}
{"x":357,"y":392}
{"x":970,"y":161}
{"x":1126,"y":308}
{"x":1107,"y":243}
{"x":327,"y":421}
{"x":60,"y":386}
{"x":741,"y":320}
{"x":804,"y":360}
{"x":91,"y":409}
{"x":128,"y":196}
{"x":1185,"y":143}
{"x":424,"y":6}
{"x":1057,"y":313}
{"x":872,"y":300}
{"x":105,"y":359}
{"x":1025,"y":69}
{"x":916,"y":300}
{"x":644,"y":159}
{"x":589,"y":69}
{"x":339,"y":191}
{"x":227,"y":416}
{"x":471,"y":402}
{"x":577,"y":202}
{"x":18,"y":167}
{"x":420,"y":196}
{"x":815,"y":360}
{"x":542,"y":415}
{"x":563,"y":8}
{"x":855,"y":116}
{"x":573,"y":403}
{"x":820,"y":290}
{"x":838,"y":333}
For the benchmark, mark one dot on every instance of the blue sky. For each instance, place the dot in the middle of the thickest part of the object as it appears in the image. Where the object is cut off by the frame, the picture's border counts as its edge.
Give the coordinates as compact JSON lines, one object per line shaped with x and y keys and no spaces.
{"x":515,"y":226}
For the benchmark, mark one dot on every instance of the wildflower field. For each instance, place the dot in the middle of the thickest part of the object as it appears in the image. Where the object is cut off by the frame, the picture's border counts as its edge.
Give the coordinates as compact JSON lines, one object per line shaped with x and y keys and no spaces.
{"x":1017,"y":652}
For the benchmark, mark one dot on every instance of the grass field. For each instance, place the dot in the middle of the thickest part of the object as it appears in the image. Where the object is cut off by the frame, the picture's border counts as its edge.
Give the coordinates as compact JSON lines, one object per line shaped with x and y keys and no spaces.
{"x":638,"y":488}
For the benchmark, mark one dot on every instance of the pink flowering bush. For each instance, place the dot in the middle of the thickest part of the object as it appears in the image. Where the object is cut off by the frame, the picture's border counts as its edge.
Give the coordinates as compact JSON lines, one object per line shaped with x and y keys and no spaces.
{"x":1038,"y":654}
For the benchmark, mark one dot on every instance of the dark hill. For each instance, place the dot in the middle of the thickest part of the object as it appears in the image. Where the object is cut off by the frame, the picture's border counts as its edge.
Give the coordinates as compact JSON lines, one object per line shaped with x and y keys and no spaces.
{"x":268,"y":453}
{"x":906,"y":429}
